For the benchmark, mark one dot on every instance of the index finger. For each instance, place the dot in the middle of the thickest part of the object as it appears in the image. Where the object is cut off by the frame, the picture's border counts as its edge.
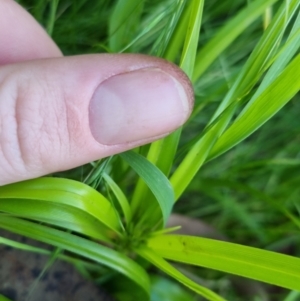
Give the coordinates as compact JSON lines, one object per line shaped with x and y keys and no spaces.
{"x":21,"y":37}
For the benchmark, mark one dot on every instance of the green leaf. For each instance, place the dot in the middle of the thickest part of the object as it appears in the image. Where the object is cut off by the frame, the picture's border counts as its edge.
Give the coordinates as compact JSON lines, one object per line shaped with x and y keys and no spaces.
{"x":287,"y":52}
{"x":123,"y":23}
{"x":254,"y":68}
{"x":212,"y":50}
{"x":260,"y":110}
{"x":292,"y":296}
{"x":166,"y":290}
{"x":171,"y":13}
{"x":177,"y":39}
{"x":2,"y":298}
{"x":162,"y":152}
{"x":64,"y":193}
{"x":188,"y":56}
{"x":197,"y":155}
{"x":25,"y":247}
{"x":52,"y":16}
{"x":59,"y":215}
{"x":262,"y":265}
{"x":121,"y":197}
{"x":22,"y":246}
{"x":80,"y":246}
{"x":260,"y":58}
{"x":163,"y":265}
{"x":156,"y":181}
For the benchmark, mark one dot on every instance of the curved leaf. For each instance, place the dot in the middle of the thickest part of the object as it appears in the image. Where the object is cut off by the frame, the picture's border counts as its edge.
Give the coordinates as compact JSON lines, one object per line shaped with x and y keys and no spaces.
{"x":79,"y":246}
{"x":156,"y":181}
{"x":65,"y":192}
{"x":59,"y":215}
{"x":121,"y":197}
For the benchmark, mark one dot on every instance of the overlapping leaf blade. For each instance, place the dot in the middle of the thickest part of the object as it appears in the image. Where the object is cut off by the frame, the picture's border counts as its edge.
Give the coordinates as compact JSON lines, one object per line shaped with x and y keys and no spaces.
{"x":210,"y":52}
{"x":80,"y":246}
{"x":58,"y":215}
{"x":267,"y":104}
{"x":124,"y":22}
{"x":63,"y":194}
{"x":254,"y":68}
{"x":162,"y":152}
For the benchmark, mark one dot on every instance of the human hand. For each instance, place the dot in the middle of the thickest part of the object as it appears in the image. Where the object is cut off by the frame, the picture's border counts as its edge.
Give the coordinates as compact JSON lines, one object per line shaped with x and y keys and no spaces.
{"x":58,"y":112}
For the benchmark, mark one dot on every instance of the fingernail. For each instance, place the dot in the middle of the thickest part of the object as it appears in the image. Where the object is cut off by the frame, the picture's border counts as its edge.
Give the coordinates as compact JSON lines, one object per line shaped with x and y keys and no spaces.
{"x":137,"y":106}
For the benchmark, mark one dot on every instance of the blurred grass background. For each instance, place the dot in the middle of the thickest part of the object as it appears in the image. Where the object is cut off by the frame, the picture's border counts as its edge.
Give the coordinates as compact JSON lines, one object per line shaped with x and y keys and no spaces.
{"x":244,"y":193}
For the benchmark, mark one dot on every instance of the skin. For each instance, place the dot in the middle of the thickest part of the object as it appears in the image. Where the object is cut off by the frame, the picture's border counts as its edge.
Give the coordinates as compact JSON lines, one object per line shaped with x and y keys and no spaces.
{"x":49,"y":118}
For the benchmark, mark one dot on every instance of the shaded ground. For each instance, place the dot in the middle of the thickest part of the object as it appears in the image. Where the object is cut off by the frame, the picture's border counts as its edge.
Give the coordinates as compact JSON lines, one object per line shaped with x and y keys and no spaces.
{"x":19,"y":270}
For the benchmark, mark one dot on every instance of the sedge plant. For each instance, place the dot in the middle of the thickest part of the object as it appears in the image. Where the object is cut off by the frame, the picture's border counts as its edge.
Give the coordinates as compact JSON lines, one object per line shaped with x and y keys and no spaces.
{"x":115,"y":211}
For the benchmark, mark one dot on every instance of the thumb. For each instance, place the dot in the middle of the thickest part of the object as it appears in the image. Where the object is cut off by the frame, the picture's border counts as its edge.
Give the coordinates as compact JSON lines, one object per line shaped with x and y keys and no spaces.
{"x":59,"y":113}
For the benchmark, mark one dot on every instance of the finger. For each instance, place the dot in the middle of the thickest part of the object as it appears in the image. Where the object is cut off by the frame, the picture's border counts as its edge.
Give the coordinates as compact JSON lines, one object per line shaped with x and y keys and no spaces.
{"x":21,"y":37}
{"x":59,"y":113}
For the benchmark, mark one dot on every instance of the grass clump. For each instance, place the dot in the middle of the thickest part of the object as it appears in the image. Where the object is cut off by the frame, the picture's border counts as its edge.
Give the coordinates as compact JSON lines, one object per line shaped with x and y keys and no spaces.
{"x":234,"y":165}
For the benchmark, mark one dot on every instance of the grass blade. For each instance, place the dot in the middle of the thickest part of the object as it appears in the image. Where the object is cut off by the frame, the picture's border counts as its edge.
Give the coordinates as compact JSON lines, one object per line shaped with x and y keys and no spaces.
{"x":163,"y":265}
{"x":192,"y":162}
{"x":155,"y":180}
{"x":162,"y":152}
{"x":59,"y":215}
{"x":64,"y":192}
{"x":261,"y":109}
{"x":261,"y":56}
{"x":123,"y":23}
{"x":52,"y":16}
{"x":80,"y":246}
{"x":270,"y":267}
{"x":2,"y":298}
{"x":212,"y":50}
{"x":285,"y":55}
{"x":121,"y":197}
{"x":177,"y":39}
{"x":250,"y":74}
{"x":188,"y":56}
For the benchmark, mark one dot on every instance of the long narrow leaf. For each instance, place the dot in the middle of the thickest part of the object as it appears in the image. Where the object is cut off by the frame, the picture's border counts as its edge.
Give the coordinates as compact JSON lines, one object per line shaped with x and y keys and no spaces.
{"x":177,"y":40}
{"x":159,"y":262}
{"x":155,"y":180}
{"x":260,"y":57}
{"x":188,"y":57}
{"x":236,"y":26}
{"x":195,"y":158}
{"x":262,"y":265}
{"x":59,"y":215}
{"x":2,"y":298}
{"x":252,"y":71}
{"x":79,"y":246}
{"x":66,"y":192}
{"x":121,"y":197}
{"x":124,"y":22}
{"x":262,"y":109}
{"x":162,"y":152}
